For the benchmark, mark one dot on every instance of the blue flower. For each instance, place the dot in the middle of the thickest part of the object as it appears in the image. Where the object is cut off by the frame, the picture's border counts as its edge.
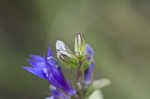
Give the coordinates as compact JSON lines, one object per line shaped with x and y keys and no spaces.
{"x":48,"y":68}
{"x":88,"y":71}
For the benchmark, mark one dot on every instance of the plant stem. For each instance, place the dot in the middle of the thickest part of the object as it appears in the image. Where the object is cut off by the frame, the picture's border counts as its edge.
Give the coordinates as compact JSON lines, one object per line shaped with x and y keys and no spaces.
{"x":79,"y":82}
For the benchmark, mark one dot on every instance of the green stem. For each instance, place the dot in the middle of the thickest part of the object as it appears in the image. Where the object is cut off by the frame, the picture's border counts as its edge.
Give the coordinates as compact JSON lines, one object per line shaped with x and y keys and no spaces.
{"x":79,"y":83}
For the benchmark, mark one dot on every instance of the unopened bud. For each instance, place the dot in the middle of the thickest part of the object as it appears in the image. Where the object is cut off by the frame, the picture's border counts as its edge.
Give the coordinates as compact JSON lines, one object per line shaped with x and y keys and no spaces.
{"x":79,"y":44}
{"x":65,"y":55}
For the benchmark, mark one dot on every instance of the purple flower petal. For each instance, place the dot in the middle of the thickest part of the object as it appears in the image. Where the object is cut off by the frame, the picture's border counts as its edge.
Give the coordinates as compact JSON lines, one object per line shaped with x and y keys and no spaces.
{"x":35,"y":71}
{"x":36,"y":57}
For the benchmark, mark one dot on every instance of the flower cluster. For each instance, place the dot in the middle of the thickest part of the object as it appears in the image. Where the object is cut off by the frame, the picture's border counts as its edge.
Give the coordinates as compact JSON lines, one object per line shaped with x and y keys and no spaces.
{"x":48,"y":67}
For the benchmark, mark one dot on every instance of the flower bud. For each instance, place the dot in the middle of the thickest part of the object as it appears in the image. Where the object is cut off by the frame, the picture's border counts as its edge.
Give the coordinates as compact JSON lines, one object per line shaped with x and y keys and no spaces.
{"x":65,"y":55}
{"x":79,"y":44}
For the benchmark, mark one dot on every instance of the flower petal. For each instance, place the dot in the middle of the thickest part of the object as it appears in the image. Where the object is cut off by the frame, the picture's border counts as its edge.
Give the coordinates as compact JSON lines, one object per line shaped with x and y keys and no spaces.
{"x":35,"y":71}
{"x":56,"y":78}
{"x":60,"y":46}
{"x":49,"y":52}
{"x":89,"y":51}
{"x":36,"y":57}
{"x":36,"y":64}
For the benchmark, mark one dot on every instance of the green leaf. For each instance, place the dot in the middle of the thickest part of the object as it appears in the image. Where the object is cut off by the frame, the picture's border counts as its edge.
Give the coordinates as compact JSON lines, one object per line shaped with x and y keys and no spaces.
{"x":97,"y":94}
{"x":97,"y":84}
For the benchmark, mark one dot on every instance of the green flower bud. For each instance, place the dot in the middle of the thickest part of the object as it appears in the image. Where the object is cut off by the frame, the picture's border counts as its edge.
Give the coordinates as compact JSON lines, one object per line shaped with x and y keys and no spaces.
{"x":79,"y":44}
{"x":65,"y":55}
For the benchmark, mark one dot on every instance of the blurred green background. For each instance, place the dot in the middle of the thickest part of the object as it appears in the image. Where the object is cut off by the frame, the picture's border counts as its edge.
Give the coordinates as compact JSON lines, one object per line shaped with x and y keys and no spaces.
{"x":118,"y":30}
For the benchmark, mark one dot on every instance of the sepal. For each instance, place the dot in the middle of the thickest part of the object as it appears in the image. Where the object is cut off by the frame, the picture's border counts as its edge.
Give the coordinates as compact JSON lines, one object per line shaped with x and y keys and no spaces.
{"x":86,"y":63}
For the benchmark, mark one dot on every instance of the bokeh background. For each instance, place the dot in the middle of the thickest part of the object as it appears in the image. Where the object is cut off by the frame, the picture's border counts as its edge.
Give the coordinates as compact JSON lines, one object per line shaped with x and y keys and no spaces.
{"x":118,"y":30}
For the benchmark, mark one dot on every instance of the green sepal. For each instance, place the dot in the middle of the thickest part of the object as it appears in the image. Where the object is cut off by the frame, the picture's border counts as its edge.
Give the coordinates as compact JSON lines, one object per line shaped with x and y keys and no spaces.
{"x":71,"y":62}
{"x":86,"y":63}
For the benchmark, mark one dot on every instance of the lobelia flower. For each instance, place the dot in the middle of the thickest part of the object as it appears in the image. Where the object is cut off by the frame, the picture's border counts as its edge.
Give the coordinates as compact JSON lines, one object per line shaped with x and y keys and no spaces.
{"x":88,"y":71}
{"x":48,"y":68}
